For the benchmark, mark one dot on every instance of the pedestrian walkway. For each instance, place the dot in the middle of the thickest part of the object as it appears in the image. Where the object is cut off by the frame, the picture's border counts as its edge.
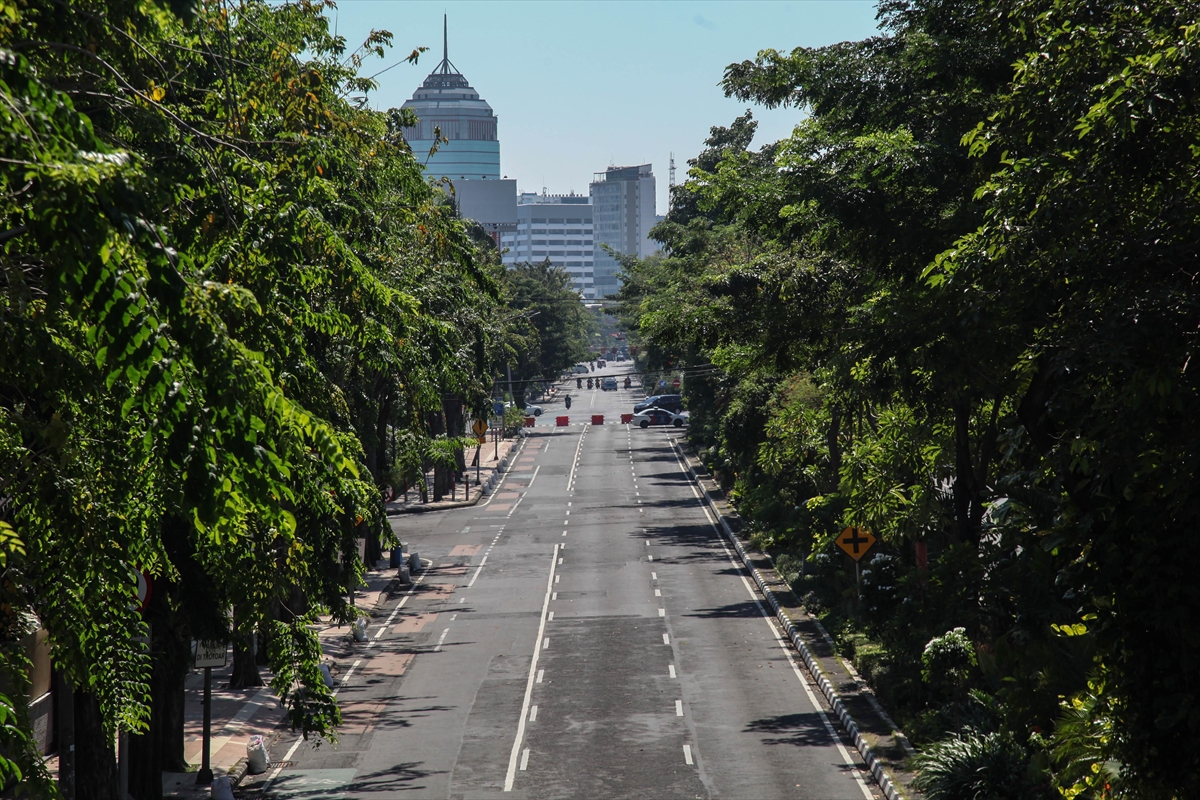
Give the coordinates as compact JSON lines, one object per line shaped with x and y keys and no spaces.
{"x":480,"y":481}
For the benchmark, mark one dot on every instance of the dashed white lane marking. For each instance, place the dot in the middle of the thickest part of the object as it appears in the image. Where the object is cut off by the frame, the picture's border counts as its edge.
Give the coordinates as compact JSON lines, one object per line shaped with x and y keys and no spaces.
{"x":551,"y":619}
{"x":554,"y":596}
{"x":516,"y":748}
{"x":524,"y":763}
{"x":564,"y":533}
{"x":837,"y":740}
{"x":568,"y":512}
{"x":453,"y":617}
{"x":687,"y":754}
{"x":533,"y":713}
{"x":556,"y":579}
{"x":654,"y":576}
{"x":678,"y":708}
{"x":531,"y":480}
{"x":649,"y":558}
{"x":441,"y":641}
{"x":477,"y":571}
{"x":462,"y":599}
{"x":662,"y":612}
{"x":658,"y":592}
{"x":560,"y":561}
{"x":671,"y":670}
{"x":541,"y":672}
{"x":666,"y":639}
{"x":546,"y":643}
{"x":647,"y":543}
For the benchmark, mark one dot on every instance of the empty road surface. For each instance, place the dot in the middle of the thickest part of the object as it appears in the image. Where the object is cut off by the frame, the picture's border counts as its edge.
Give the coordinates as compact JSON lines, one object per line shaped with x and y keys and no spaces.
{"x":582,"y":633}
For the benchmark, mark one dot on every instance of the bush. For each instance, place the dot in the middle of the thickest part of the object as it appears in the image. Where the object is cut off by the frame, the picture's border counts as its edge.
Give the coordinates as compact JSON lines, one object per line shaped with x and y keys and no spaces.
{"x":948,"y":659}
{"x":977,"y":765}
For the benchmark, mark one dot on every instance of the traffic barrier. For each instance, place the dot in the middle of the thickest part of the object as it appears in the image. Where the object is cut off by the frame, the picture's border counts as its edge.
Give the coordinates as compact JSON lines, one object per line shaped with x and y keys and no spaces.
{"x":562,"y":420}
{"x":597,"y":419}
{"x":529,"y":421}
{"x":626,"y":419}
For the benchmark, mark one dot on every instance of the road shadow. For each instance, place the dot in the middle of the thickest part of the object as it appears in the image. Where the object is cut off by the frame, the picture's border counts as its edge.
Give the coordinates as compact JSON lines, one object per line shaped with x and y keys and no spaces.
{"x":797,"y":730}
{"x":744,"y":610}
{"x":398,"y":778}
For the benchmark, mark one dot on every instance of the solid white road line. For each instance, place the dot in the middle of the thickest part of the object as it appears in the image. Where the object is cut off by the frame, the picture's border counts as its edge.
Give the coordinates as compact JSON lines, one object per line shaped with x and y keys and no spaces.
{"x":837,"y":740}
{"x":477,"y":571}
{"x":534,"y":478}
{"x":537,"y":649}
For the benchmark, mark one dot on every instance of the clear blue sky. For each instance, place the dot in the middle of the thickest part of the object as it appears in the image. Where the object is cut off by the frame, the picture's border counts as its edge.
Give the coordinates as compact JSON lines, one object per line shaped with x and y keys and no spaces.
{"x":581,"y":85}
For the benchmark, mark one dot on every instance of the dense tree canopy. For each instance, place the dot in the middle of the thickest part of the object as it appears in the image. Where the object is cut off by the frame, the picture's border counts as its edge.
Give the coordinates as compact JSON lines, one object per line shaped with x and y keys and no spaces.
{"x":231,"y":305}
{"x":958,"y":306}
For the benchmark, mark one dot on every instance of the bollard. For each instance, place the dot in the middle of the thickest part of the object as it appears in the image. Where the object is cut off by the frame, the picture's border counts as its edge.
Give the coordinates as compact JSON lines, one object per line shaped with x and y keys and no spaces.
{"x":395,"y":558}
{"x":597,"y":419}
{"x":626,"y":419}
{"x":562,"y":420}
{"x":327,"y":676}
{"x":414,"y":562}
{"x":529,"y":421}
{"x":404,"y":576}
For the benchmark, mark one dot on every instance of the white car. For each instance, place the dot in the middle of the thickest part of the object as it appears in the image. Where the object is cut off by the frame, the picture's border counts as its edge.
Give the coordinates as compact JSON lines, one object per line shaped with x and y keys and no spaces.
{"x":533,"y":410}
{"x":659,"y":416}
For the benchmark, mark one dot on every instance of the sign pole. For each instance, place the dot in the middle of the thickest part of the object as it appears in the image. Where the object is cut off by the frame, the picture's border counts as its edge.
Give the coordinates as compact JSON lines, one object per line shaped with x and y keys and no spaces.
{"x":205,"y":776}
{"x":858,"y":578}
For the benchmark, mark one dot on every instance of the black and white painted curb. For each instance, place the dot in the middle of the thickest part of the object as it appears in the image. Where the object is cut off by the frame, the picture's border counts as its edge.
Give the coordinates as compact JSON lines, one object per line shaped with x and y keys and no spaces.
{"x":814,"y":669}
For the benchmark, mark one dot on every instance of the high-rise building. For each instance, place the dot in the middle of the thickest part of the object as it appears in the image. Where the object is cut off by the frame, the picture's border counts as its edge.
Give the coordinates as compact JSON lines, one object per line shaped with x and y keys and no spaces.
{"x":556,"y":227}
{"x":447,"y":103}
{"x":622,"y":215}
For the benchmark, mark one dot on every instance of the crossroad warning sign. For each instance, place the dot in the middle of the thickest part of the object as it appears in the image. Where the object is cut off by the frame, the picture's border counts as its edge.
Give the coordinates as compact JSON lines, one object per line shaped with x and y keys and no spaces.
{"x":855,"y":541}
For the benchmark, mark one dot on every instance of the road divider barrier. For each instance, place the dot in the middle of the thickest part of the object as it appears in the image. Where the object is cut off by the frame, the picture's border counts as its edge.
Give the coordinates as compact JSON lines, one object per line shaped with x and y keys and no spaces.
{"x":626,"y":419}
{"x":597,"y":419}
{"x":529,"y":421}
{"x":562,"y":420}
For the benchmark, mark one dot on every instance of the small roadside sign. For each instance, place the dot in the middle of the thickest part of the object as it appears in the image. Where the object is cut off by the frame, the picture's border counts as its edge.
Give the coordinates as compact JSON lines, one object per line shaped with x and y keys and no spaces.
{"x":480,"y":427}
{"x":675,"y":383}
{"x":209,"y":654}
{"x":498,"y":408}
{"x":855,"y":541}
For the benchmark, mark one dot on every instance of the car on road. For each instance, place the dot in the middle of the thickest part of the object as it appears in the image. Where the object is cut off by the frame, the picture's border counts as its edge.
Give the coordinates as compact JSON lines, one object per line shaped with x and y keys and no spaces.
{"x":671,"y":402}
{"x":658,"y":416}
{"x":609,"y":385}
{"x":580,"y":369}
{"x":531,"y":410}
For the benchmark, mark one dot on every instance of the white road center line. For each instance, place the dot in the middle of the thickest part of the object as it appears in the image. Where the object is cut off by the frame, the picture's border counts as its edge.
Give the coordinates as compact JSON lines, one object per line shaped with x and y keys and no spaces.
{"x":516,"y":748}
{"x":534,"y":478}
{"x":687,"y":754}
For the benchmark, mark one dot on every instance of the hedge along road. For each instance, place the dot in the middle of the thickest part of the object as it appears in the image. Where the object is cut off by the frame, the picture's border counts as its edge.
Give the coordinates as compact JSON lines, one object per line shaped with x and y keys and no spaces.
{"x":586,"y":633}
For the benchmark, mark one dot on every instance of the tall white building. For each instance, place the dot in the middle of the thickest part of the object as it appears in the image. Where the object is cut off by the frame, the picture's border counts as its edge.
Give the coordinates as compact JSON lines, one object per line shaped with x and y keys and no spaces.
{"x":623,"y":214}
{"x":557,"y":227}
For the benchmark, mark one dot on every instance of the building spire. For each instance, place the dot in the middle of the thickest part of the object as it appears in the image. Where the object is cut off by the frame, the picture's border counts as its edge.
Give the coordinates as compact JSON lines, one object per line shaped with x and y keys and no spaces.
{"x":445,"y":43}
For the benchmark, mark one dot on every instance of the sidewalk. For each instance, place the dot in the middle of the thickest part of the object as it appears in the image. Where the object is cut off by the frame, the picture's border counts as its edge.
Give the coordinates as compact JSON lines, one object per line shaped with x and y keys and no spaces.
{"x":238,"y":715}
{"x":888,"y":744}
{"x":478,"y":484}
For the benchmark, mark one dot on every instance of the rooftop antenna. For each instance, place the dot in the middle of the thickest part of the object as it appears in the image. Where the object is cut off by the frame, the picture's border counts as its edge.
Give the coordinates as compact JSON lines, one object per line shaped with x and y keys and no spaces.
{"x":445,"y":41}
{"x":671,"y":183}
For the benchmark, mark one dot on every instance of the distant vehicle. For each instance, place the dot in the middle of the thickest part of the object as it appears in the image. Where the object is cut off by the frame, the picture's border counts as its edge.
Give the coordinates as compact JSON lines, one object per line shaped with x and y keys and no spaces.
{"x":610,"y":384}
{"x":580,"y":369}
{"x":671,"y":402}
{"x":533,"y":410}
{"x":602,"y":363}
{"x":658,"y":416}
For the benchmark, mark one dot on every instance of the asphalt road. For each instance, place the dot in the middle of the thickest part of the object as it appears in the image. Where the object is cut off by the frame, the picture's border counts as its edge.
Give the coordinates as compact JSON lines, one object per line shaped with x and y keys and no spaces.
{"x":583,"y":633}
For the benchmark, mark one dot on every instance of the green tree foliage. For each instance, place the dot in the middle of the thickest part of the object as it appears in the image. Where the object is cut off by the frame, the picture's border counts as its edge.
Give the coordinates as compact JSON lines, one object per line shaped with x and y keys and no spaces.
{"x":227,"y":290}
{"x":552,"y":326}
{"x":957,"y":306}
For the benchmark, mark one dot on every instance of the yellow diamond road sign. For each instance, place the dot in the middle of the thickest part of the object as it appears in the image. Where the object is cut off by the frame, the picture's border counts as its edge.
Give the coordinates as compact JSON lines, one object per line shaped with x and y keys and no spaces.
{"x":480,"y":427}
{"x":856,"y":541}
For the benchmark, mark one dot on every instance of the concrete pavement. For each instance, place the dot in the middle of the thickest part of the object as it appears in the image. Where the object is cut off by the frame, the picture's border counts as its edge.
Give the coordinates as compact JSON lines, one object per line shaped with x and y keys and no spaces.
{"x":583,"y":632}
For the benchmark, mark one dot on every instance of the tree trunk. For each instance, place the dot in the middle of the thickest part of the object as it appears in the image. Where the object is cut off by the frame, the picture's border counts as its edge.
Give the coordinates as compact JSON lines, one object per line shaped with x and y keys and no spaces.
{"x":456,"y":425}
{"x":177,"y":662}
{"x":967,"y":508}
{"x":442,"y":475}
{"x":245,"y":664}
{"x":95,"y":757}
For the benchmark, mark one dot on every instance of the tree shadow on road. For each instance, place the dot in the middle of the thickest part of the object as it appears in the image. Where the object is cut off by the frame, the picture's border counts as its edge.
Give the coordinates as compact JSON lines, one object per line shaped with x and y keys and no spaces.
{"x":405,"y":777}
{"x":798,"y":730}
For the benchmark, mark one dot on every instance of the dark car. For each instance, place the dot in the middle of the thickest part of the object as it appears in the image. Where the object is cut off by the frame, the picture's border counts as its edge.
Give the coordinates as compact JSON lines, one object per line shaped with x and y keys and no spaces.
{"x":671,"y":402}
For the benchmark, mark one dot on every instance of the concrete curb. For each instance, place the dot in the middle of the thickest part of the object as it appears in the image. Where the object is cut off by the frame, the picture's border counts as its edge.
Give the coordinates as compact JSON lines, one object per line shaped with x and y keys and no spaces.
{"x":489,"y":485}
{"x":814,"y":669}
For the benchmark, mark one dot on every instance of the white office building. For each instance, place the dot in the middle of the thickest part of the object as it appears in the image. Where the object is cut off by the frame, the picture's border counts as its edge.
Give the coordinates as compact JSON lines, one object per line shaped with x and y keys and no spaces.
{"x":623,"y":213}
{"x":557,"y":227}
